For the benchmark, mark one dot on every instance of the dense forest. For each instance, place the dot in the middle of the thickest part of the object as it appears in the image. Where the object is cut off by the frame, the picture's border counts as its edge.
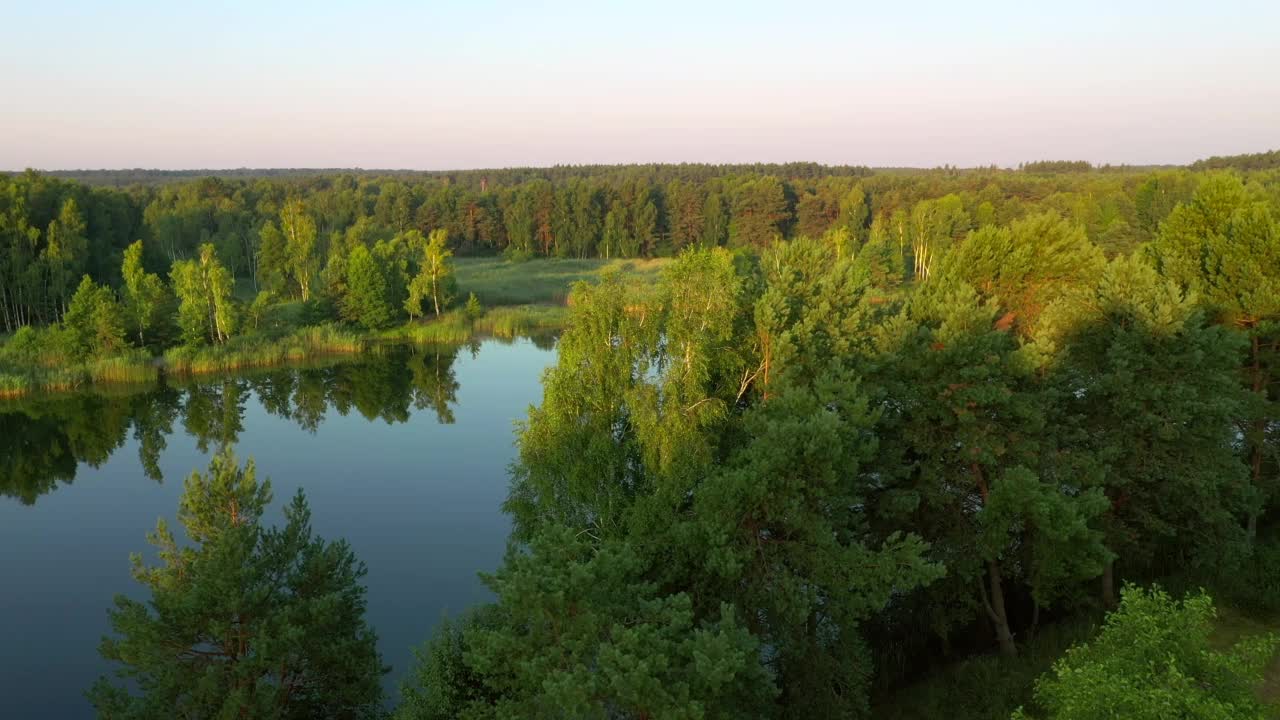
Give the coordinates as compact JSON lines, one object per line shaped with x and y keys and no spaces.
{"x":289,"y":233}
{"x":864,"y":425}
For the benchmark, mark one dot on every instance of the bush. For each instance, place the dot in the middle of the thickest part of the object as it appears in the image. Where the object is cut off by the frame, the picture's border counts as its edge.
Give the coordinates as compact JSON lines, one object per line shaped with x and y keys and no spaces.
{"x":1153,"y":660}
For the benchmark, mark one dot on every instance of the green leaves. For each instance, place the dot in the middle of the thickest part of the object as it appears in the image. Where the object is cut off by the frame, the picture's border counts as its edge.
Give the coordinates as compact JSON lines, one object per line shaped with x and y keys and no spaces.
{"x":367,"y":300}
{"x":94,"y":322}
{"x":144,"y":292}
{"x":1152,"y":660}
{"x":711,"y":440}
{"x":206,"y":308}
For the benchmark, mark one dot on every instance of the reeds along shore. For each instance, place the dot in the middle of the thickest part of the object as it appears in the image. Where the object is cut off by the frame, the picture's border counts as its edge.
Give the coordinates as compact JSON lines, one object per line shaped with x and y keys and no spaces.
{"x":250,"y":351}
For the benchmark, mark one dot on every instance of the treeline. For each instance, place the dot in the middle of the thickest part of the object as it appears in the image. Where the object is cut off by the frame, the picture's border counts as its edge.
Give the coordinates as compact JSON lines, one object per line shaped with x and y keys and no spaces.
{"x":52,"y":232}
{"x":1251,"y":161}
{"x":469,"y":178}
{"x":1056,"y":166}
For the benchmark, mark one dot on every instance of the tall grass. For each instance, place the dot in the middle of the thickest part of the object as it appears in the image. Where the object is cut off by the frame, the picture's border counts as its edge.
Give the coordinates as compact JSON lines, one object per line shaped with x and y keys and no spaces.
{"x":512,"y":322}
{"x":507,"y":323}
{"x":13,"y":385}
{"x":451,"y":328}
{"x":255,"y":351}
{"x":135,"y":367}
{"x":45,"y":368}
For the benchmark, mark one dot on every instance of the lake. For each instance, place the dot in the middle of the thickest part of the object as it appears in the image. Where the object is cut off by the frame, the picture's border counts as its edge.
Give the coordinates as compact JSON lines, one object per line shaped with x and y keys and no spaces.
{"x":404,"y":453}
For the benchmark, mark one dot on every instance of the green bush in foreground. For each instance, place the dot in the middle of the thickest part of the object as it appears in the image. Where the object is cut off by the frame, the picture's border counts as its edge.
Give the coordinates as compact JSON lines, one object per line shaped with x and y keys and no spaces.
{"x":1153,"y":661}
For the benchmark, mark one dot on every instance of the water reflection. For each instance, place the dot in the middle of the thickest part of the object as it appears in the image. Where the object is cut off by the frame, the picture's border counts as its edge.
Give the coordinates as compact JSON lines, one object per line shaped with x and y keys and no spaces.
{"x":43,"y":439}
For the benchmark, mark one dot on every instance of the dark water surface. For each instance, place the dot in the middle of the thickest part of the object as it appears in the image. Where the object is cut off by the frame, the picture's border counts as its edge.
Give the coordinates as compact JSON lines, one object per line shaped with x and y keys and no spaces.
{"x":404,"y":454}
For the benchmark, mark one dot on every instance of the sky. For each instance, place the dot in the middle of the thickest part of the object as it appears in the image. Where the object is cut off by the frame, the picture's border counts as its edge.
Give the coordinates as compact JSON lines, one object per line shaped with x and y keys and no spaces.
{"x":489,"y":83}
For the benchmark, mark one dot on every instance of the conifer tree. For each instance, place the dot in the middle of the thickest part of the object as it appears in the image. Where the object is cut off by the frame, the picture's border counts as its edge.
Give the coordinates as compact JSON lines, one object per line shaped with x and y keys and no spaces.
{"x":246,"y":620}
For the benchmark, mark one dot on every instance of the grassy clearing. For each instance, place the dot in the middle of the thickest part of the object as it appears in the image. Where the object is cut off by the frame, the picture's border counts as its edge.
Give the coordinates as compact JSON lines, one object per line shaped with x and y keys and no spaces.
{"x":546,"y":281}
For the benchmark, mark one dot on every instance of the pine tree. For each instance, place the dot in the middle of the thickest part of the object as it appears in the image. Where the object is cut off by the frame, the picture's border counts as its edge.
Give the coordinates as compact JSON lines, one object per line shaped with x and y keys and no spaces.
{"x":578,"y":633}
{"x":1225,"y":246}
{"x":245,"y":621}
{"x":1148,"y":388}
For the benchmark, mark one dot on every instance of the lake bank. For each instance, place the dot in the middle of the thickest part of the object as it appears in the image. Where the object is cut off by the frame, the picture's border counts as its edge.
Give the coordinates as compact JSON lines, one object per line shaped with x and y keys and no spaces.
{"x":140,"y":368}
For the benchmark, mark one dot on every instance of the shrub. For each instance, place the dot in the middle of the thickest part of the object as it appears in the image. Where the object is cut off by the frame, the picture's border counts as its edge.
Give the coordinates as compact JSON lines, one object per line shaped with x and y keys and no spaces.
{"x":1153,"y":660}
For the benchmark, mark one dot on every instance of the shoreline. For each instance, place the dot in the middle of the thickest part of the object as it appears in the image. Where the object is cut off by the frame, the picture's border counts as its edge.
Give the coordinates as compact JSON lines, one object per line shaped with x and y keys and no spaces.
{"x":307,"y":343}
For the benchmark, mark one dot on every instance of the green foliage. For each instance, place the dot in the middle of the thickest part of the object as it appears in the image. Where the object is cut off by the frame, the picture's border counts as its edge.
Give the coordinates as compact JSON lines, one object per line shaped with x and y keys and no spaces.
{"x":474,"y":310}
{"x":577,"y":633}
{"x":367,"y":299}
{"x":443,"y":685}
{"x":1026,"y":267}
{"x":144,"y":292}
{"x":206,"y":308}
{"x":1152,"y":389}
{"x":247,"y":620}
{"x":300,"y":257}
{"x":714,"y":426}
{"x":759,"y":208}
{"x":1153,"y":659}
{"x":1224,"y":245}
{"x":257,"y":310}
{"x":1249,"y":161}
{"x":435,"y":279}
{"x":259,"y":351}
{"x":969,"y":439}
{"x":94,"y":322}
{"x":934,"y":226}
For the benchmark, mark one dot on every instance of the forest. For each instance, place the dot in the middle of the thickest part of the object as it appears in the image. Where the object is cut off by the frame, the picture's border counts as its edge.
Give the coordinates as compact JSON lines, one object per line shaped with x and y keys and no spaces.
{"x":867,"y":443}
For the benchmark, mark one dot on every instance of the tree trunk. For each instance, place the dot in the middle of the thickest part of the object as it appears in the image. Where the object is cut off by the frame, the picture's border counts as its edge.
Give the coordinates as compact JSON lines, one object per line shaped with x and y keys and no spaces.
{"x":1259,"y":429}
{"x":1109,"y":584}
{"x":999,"y":616}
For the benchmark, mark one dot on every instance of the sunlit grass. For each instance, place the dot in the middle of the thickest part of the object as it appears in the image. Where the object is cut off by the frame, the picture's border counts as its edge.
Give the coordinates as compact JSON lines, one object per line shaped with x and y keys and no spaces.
{"x":512,"y":322}
{"x":253,"y":351}
{"x":14,"y":385}
{"x":132,"y":367}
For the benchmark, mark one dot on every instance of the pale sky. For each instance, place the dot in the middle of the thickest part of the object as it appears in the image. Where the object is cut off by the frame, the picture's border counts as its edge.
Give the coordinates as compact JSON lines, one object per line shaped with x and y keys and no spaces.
{"x":498,"y":83}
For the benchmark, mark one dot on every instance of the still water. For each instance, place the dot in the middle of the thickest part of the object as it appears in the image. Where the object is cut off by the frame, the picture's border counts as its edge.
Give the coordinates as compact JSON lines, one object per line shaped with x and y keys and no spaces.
{"x":404,"y":454}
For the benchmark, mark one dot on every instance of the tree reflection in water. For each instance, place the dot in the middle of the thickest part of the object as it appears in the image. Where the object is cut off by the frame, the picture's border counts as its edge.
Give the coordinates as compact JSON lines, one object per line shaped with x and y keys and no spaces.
{"x":43,"y":439}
